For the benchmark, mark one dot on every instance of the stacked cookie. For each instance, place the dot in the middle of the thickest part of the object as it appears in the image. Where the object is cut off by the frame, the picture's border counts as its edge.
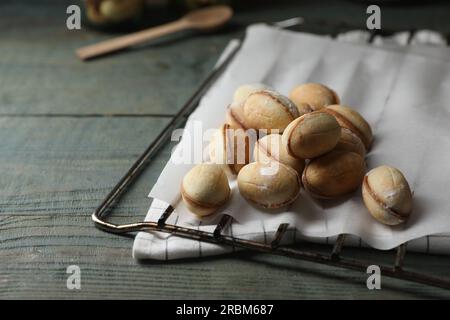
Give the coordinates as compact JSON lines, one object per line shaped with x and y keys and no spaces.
{"x":275,"y":144}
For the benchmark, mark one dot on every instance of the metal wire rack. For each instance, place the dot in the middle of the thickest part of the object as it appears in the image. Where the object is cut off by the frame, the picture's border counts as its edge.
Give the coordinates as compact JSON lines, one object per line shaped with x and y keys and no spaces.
{"x":333,"y":258}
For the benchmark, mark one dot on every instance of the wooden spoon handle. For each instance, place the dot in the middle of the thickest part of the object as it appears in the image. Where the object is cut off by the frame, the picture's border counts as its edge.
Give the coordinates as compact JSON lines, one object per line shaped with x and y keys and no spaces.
{"x":130,"y":39}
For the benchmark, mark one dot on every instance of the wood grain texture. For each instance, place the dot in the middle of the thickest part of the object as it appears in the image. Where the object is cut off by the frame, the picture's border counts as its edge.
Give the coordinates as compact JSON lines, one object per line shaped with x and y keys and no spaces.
{"x":69,"y":164}
{"x":36,"y":250}
{"x":41,"y":74}
{"x":61,"y":153}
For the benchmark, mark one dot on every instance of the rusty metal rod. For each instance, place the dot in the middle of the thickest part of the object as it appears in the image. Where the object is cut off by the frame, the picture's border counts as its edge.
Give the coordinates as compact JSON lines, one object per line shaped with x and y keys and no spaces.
{"x":268,"y":248}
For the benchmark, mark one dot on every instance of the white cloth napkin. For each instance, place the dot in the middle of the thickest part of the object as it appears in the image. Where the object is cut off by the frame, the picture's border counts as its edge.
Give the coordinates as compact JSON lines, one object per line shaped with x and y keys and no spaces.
{"x":402,"y":91}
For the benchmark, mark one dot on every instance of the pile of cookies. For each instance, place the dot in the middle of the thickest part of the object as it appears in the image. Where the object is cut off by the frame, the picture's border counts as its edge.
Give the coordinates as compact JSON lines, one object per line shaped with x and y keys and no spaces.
{"x":275,"y":145}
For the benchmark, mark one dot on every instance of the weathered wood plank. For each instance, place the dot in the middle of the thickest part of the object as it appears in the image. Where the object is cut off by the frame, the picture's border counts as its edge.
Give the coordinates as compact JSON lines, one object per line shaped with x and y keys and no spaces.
{"x":67,"y":165}
{"x":36,"y":250}
{"x":40,"y":73}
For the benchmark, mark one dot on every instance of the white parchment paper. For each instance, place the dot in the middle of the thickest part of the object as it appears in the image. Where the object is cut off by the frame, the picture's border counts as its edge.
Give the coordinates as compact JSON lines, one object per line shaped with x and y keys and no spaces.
{"x":406,"y":99}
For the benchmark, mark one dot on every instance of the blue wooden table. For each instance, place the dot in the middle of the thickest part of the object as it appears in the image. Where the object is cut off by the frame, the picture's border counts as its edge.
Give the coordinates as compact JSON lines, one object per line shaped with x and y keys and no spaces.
{"x":69,"y":130}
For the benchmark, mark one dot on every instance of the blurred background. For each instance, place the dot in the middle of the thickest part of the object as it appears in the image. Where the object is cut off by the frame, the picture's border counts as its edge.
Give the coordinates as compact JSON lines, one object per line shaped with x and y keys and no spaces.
{"x":118,"y":15}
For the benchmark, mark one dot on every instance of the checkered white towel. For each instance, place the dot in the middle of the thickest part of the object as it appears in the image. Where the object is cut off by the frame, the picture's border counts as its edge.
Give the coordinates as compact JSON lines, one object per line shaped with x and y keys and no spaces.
{"x":162,"y":246}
